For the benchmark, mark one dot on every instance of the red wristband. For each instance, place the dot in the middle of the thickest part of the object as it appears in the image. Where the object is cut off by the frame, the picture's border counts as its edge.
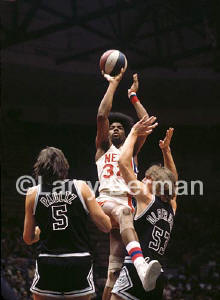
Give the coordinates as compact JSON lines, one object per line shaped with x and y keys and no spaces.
{"x":134,"y":98}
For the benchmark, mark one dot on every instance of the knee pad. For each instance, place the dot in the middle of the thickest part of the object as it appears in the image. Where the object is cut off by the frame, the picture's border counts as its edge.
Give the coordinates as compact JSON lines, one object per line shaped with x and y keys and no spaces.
{"x":114,"y":267}
{"x":124,"y":216}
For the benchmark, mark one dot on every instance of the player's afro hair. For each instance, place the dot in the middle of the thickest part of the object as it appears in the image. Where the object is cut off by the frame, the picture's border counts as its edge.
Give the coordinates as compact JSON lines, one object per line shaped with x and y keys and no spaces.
{"x":126,"y":121}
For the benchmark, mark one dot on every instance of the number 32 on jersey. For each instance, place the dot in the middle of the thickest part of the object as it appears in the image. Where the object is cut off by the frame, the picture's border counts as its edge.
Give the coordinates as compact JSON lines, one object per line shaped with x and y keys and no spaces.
{"x":109,"y":171}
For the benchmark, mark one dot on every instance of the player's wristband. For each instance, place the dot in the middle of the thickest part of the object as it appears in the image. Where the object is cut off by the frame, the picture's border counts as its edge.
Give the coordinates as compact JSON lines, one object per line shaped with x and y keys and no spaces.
{"x":133,"y":98}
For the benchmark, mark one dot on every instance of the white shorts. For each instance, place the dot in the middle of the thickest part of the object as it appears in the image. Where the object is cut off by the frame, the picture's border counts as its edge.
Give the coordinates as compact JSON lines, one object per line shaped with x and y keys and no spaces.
{"x":122,"y":200}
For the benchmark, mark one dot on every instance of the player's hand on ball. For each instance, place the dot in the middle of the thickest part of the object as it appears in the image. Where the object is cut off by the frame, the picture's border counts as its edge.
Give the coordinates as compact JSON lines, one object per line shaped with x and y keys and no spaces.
{"x":135,"y":85}
{"x":165,"y":143}
{"x":116,"y":79}
{"x":145,"y":126}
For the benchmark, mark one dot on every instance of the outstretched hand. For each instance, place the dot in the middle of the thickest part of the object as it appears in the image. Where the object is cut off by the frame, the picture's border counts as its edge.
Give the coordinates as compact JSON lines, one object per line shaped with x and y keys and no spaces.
{"x":116,"y":79}
{"x":145,"y":126}
{"x":165,"y":143}
{"x":135,"y":85}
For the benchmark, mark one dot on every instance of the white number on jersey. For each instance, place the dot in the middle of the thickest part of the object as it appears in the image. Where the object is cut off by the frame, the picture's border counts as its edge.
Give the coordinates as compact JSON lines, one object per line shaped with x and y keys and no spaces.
{"x":58,"y":214}
{"x":157,"y":234}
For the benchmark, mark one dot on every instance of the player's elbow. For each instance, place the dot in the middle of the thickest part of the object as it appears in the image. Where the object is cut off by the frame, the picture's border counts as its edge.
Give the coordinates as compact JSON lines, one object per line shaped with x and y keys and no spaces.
{"x":102,"y":115}
{"x":27,"y":239}
{"x":104,"y":224}
{"x":107,"y":228}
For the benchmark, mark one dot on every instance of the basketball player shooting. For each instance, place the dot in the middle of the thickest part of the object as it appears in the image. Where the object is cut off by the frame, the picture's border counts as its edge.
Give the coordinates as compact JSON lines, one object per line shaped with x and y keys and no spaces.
{"x":114,"y":195}
{"x":154,"y":216}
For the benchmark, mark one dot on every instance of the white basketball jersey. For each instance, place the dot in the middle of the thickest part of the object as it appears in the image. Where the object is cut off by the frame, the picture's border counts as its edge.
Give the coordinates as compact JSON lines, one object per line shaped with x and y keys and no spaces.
{"x":111,"y":181}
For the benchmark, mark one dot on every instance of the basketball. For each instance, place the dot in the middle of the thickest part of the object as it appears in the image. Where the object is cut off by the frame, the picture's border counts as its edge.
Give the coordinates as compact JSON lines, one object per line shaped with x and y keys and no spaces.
{"x":112,"y":61}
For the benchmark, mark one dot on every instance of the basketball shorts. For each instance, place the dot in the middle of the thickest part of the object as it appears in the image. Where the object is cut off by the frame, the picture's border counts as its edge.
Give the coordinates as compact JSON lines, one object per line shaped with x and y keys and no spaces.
{"x":129,"y":287}
{"x":63,"y":275}
{"x":122,"y":200}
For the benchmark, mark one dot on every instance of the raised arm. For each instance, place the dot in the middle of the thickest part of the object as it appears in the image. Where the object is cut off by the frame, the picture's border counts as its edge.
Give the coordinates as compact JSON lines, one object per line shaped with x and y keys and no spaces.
{"x":140,"y":110}
{"x":166,"y":151}
{"x":142,"y":128}
{"x":168,"y":159}
{"x":101,"y":220}
{"x":102,"y":137}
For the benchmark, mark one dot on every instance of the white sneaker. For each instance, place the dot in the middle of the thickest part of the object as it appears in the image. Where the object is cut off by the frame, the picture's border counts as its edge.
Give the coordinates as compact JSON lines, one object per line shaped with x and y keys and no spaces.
{"x":149,"y":274}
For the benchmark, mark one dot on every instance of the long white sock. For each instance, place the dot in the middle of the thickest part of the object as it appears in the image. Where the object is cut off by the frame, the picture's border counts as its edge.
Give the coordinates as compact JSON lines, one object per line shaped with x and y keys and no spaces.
{"x":134,"y":250}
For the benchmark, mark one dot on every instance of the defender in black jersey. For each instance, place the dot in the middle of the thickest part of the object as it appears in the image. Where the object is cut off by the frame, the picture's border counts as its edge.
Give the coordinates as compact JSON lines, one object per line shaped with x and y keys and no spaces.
{"x":154,"y":216}
{"x":56,"y":215}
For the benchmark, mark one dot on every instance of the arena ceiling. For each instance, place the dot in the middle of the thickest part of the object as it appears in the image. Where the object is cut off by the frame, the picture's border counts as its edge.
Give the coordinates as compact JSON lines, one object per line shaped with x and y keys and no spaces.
{"x":71,"y":35}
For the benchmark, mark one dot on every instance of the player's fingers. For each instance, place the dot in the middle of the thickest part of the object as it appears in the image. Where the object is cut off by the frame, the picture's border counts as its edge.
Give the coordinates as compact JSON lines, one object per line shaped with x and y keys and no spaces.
{"x":171,"y":130}
{"x":148,"y":127}
{"x":149,"y":131}
{"x":107,"y":76}
{"x":150,"y":120}
{"x":144,"y":119}
{"x":169,"y":133}
{"x":153,"y":126}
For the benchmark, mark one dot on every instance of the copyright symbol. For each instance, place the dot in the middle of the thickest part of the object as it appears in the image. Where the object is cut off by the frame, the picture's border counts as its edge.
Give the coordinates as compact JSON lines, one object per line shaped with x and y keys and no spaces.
{"x":23,"y":183}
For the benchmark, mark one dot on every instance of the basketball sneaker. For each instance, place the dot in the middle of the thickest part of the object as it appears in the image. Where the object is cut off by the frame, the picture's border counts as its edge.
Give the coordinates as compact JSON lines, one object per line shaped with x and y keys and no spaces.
{"x":149,"y":273}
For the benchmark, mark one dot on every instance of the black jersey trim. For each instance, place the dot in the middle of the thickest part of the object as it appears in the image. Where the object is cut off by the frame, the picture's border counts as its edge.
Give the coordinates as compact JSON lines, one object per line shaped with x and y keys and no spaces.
{"x":146,"y":209}
{"x":36,"y":198}
{"x":80,"y":195}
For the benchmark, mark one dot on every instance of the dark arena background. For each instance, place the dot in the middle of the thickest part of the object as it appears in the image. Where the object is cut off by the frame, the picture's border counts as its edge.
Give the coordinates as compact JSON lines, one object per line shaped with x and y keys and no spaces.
{"x":51,"y":90}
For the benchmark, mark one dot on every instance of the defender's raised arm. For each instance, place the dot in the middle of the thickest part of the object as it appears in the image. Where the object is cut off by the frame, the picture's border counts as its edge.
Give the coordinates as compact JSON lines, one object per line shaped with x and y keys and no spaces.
{"x":168,"y":159}
{"x":140,"y":110}
{"x":167,"y":155}
{"x":142,"y":128}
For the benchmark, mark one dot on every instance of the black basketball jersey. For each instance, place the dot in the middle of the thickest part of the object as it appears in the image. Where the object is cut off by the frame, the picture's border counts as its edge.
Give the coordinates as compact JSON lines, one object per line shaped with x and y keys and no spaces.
{"x":153,"y":227}
{"x":62,"y":216}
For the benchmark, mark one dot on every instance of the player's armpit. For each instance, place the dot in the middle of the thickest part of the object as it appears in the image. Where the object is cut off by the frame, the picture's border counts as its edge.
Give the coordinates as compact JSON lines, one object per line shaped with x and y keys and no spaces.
{"x":101,"y":220}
